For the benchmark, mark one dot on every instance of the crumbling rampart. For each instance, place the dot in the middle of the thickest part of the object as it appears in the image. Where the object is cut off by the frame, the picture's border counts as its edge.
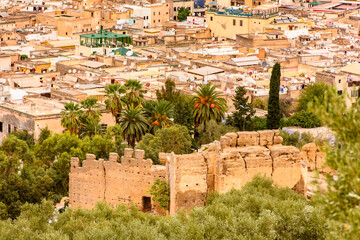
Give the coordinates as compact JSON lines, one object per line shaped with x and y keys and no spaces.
{"x":221,"y":166}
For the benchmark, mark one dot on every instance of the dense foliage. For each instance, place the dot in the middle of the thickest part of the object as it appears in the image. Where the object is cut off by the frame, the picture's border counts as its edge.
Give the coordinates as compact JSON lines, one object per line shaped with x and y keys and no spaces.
{"x":212,"y":131}
{"x":31,"y":172}
{"x":172,"y":139}
{"x":258,"y":211}
{"x":342,"y":200}
{"x":295,"y":139}
{"x":183,"y":13}
{"x":302,"y":119}
{"x":273,"y":117}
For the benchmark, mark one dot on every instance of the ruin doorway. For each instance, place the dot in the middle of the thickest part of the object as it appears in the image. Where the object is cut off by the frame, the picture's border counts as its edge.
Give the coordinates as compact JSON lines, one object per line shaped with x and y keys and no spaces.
{"x":146,"y":203}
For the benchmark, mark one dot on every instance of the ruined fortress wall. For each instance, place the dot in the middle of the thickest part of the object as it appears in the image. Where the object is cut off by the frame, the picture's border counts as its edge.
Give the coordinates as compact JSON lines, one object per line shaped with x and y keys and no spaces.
{"x":188,"y":186}
{"x":86,"y":183}
{"x":246,"y":154}
{"x":226,"y":164}
{"x":127,"y":182}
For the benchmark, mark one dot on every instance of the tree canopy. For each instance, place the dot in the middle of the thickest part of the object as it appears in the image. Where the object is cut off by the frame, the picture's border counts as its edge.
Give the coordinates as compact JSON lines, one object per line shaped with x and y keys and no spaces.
{"x":258,"y":211}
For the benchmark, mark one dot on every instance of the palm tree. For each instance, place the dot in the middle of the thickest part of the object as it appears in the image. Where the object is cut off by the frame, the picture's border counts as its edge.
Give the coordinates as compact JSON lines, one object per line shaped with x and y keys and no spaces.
{"x":114,"y":101}
{"x":70,"y":118}
{"x":158,"y":113}
{"x":208,"y":105}
{"x":134,"y":124}
{"x":135,"y":93}
{"x":90,"y":126}
{"x":91,"y":107}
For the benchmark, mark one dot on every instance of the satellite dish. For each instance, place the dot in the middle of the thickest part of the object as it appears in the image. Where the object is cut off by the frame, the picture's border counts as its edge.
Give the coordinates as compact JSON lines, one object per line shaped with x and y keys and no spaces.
{"x":263,"y":64}
{"x":132,"y":65}
{"x":74,"y":70}
{"x":97,"y":27}
{"x":129,"y":53}
{"x":100,"y":69}
{"x":125,"y":62}
{"x":69,"y":71}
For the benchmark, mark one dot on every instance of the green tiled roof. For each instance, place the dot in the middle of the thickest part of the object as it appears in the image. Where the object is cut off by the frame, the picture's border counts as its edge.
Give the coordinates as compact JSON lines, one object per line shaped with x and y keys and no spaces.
{"x":105,"y":34}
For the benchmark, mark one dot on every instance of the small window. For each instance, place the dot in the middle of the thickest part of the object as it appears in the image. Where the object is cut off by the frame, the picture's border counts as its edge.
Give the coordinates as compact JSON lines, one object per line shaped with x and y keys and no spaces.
{"x":339,"y":92}
{"x":339,"y":80}
{"x":174,"y":9}
{"x":9,"y":128}
{"x":241,"y":23}
{"x":159,"y":13}
{"x":154,"y":13}
{"x":234,"y":22}
{"x":211,"y":18}
{"x":1,"y":126}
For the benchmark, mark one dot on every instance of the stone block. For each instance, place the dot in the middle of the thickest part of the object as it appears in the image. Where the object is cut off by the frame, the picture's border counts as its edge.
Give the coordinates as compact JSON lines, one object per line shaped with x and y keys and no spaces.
{"x":246,"y":139}
{"x":233,"y":139}
{"x":90,"y":157}
{"x":139,"y":154}
{"x":74,"y":162}
{"x":266,"y":137}
{"x":113,"y":157}
{"x":225,"y":142}
{"x":128,"y":152}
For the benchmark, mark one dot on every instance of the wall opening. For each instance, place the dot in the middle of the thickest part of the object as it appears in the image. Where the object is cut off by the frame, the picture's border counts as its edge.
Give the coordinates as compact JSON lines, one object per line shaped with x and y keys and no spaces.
{"x":146,"y":203}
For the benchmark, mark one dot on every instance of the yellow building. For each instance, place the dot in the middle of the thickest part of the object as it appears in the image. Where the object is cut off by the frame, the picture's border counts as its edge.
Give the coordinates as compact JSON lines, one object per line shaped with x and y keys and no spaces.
{"x":32,"y":66}
{"x":159,"y":14}
{"x":229,"y":22}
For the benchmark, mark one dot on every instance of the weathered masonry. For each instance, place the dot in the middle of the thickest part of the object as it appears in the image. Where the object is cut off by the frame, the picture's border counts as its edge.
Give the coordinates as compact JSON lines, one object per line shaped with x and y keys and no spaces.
{"x":225,"y":164}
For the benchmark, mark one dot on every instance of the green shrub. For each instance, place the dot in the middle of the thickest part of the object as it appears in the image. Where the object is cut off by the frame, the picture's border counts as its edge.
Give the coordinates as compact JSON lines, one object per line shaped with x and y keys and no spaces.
{"x":301,"y":119}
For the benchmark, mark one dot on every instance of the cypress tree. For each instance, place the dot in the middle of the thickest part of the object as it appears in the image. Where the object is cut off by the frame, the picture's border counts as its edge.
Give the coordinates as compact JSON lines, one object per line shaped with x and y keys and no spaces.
{"x":273,"y":117}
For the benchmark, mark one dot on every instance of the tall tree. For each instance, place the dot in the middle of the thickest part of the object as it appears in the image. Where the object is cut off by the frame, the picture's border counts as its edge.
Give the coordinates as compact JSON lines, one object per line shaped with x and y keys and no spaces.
{"x":114,"y":101}
{"x":157,"y":113}
{"x":134,"y":92}
{"x":70,"y":118}
{"x":168,"y":92}
{"x":134,"y":125}
{"x":273,"y":117}
{"x":241,"y":118}
{"x":208,"y":105}
{"x":183,"y":114}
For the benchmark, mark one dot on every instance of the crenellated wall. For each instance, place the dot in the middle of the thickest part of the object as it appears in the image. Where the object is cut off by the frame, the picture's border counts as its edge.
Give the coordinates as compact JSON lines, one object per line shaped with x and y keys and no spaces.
{"x":221,"y":166}
{"x":127,"y":182}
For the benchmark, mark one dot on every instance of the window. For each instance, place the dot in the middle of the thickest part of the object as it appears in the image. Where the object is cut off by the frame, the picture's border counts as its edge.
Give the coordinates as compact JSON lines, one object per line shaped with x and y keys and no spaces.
{"x":159,"y":20}
{"x":211,"y":18}
{"x":339,"y":80}
{"x":159,"y":13}
{"x":146,"y":202}
{"x":354,"y":93}
{"x":241,"y":23}
{"x":9,"y":128}
{"x":174,"y":9}
{"x":154,"y":13}
{"x":339,"y":92}
{"x":174,"y":17}
{"x":1,"y":126}
{"x":66,"y":33}
{"x":234,"y":22}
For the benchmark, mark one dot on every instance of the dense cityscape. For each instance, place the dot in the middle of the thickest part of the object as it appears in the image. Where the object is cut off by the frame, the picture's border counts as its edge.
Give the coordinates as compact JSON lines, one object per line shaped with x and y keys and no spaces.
{"x":179,"y":119}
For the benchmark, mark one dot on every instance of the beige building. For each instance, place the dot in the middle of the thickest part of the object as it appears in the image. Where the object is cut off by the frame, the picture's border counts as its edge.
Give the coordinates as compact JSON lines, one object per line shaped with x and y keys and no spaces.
{"x":346,"y":82}
{"x":34,"y":114}
{"x":159,"y":14}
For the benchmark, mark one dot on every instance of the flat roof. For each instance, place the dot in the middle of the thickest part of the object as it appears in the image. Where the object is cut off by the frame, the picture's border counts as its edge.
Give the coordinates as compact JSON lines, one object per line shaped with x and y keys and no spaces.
{"x":352,"y":68}
{"x":93,"y":64}
{"x":36,"y":107}
{"x":204,"y":71}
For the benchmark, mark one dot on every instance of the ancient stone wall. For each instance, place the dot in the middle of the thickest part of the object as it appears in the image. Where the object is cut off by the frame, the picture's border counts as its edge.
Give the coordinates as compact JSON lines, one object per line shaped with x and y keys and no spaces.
{"x":128,"y":182}
{"x":238,"y":157}
{"x":226,"y":164}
